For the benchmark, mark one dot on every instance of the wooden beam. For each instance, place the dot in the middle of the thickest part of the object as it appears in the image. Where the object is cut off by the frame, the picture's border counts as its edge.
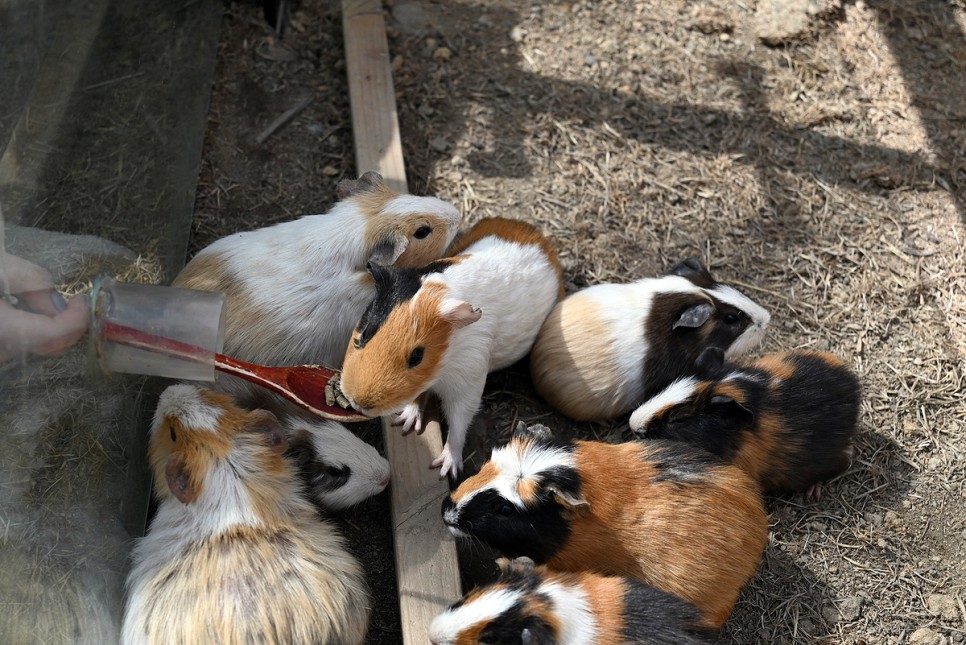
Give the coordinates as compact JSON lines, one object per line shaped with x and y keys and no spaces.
{"x":427,"y":569}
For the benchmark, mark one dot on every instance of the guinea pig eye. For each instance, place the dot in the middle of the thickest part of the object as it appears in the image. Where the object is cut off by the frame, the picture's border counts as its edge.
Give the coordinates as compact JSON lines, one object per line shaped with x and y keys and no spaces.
{"x":423,"y":232}
{"x":174,"y":436}
{"x":731,"y":318}
{"x":416,"y":357}
{"x":505,"y":509}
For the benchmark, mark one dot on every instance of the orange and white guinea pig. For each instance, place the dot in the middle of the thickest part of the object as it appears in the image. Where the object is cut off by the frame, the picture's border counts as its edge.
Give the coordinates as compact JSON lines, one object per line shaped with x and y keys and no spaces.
{"x":788,"y":419}
{"x":532,"y":605}
{"x":664,"y":513}
{"x":295,"y":290}
{"x":235,"y":553}
{"x":604,"y":350}
{"x":441,"y":329}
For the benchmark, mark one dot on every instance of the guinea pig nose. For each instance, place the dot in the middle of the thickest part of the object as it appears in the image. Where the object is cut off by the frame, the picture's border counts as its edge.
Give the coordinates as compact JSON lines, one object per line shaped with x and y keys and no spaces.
{"x":384,"y":481}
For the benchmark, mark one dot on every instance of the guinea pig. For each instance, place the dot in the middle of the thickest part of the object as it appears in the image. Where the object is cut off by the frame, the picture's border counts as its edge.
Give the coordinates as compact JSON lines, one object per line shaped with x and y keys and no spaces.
{"x":295,"y":290}
{"x":532,"y":605}
{"x":235,"y":553}
{"x":787,"y":419}
{"x":339,"y":469}
{"x":664,"y":513}
{"x":442,"y":328}
{"x":604,"y":350}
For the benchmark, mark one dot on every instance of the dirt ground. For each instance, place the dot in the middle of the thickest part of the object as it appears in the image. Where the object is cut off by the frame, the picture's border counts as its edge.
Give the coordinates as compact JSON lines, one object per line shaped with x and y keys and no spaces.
{"x":823,"y":175}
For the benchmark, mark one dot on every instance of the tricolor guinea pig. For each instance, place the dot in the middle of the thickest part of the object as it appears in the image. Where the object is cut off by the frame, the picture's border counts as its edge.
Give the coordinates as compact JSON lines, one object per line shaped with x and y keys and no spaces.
{"x":339,"y":469}
{"x":787,"y":419}
{"x":235,"y":553}
{"x":664,"y":513}
{"x":604,"y":350}
{"x":295,"y":290}
{"x":530,"y":605}
{"x":441,"y":329}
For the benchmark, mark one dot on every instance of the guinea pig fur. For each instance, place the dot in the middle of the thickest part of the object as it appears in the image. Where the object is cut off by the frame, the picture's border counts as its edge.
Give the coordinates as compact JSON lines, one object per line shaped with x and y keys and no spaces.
{"x":787,"y":419}
{"x":664,"y":513}
{"x":339,"y":469}
{"x":442,"y":328}
{"x":604,"y":350}
{"x":295,"y":290}
{"x":530,"y":605}
{"x":235,"y":554}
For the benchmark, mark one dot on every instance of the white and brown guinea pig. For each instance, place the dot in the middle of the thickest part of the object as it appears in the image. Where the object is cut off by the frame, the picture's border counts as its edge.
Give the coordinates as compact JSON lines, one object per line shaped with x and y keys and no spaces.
{"x":442,"y":328}
{"x":787,"y":419}
{"x":604,"y":350}
{"x":339,"y":469}
{"x":235,"y":553}
{"x":664,"y":513}
{"x":296,"y":290}
{"x":530,"y":605}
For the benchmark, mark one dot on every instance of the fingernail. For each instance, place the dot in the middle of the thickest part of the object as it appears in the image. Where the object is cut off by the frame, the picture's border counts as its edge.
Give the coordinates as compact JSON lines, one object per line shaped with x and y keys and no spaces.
{"x":59,"y":303}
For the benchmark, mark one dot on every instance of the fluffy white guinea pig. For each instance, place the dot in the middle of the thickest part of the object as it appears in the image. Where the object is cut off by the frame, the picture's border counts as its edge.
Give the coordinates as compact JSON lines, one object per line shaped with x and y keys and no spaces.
{"x":296,"y":290}
{"x":339,"y":469}
{"x":604,"y":350}
{"x":443,"y":328}
{"x":235,"y":553}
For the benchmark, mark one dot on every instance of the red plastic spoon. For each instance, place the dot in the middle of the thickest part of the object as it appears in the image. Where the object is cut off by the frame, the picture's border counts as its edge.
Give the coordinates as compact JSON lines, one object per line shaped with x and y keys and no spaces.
{"x":303,"y":385}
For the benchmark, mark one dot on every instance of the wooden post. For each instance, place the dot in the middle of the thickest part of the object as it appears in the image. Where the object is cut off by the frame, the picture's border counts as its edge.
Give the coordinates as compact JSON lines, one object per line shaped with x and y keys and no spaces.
{"x":427,"y":570}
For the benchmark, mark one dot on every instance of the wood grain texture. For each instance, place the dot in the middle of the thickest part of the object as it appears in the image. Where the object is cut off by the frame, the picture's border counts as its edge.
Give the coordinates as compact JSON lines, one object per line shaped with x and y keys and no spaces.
{"x":427,"y":570}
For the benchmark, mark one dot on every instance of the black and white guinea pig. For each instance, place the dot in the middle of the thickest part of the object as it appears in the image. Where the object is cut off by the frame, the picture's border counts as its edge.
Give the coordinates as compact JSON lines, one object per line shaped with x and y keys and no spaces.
{"x":604,"y":350}
{"x":664,"y":513}
{"x":787,"y":419}
{"x":441,"y":329}
{"x":532,"y":605}
{"x":295,"y":290}
{"x":339,"y":469}
{"x":235,"y":553}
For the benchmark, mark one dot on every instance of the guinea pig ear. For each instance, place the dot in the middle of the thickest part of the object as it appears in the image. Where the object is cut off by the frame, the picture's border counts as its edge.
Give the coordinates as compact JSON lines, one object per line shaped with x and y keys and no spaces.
{"x":537,"y":432}
{"x":459,"y":313}
{"x":266,"y":423}
{"x":731,"y":411}
{"x":348,"y":187}
{"x":693,"y":269}
{"x":389,"y":250}
{"x":709,"y":362}
{"x":694,"y":316}
{"x":178,"y":476}
{"x":570,"y":502}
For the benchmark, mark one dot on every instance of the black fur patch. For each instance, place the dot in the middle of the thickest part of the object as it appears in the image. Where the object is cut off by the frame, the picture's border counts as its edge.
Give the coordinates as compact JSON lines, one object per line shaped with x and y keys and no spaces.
{"x":680,"y":463}
{"x":508,"y":628}
{"x":694,"y":271}
{"x":316,"y":474}
{"x":393,"y":287}
{"x":657,"y":618}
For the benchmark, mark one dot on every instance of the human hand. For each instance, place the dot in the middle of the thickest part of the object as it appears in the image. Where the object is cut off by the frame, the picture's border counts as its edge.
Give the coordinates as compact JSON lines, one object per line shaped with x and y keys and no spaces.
{"x":37,"y":319}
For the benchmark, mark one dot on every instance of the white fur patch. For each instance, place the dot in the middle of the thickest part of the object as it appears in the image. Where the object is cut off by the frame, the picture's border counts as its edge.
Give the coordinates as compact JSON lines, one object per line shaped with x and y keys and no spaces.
{"x":447,"y":626}
{"x":515,"y":465}
{"x":186,"y":404}
{"x":577,"y":622}
{"x":760,"y":318}
{"x":677,"y":392}
{"x":413,"y":205}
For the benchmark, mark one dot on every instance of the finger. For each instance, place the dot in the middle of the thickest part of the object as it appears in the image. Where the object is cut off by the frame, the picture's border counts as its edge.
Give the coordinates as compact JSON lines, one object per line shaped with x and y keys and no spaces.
{"x":43,"y":301}
{"x":24,"y":275}
{"x":23,"y":331}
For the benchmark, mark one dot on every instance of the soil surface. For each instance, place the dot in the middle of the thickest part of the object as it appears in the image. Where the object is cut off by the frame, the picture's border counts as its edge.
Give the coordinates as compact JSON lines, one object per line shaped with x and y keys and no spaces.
{"x":817,"y":165}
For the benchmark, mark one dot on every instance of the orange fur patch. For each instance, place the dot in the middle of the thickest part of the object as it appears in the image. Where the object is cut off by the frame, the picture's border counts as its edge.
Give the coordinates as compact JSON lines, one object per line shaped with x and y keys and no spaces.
{"x":606,"y":597}
{"x":700,"y":541}
{"x":488,"y":473}
{"x":377,"y":377}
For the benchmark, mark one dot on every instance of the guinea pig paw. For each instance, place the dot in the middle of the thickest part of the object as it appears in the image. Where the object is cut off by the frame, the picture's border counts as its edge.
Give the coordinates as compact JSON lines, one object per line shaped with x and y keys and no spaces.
{"x":410,"y":418}
{"x":814,"y":493}
{"x":447,"y":463}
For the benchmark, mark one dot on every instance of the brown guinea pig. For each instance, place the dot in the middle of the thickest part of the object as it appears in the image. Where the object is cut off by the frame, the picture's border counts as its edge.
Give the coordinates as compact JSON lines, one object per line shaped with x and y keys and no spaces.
{"x":787,"y":419}
{"x":441,"y":329}
{"x":531,"y":605}
{"x":604,"y":350}
{"x":235,"y":553}
{"x":664,"y":513}
{"x":295,"y":290}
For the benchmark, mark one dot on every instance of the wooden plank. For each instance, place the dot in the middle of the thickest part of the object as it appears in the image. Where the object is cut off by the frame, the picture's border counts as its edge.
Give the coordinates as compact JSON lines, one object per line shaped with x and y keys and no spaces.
{"x":427,"y":570}
{"x":375,"y":127}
